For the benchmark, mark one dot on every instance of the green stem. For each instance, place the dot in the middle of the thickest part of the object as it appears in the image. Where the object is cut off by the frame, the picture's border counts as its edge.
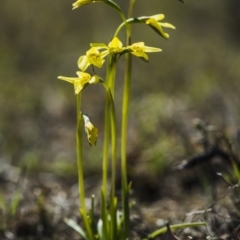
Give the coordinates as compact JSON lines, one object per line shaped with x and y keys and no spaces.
{"x":116,"y":7}
{"x":173,"y":227}
{"x":130,"y":10}
{"x":110,"y":82}
{"x":112,"y":111}
{"x":125,"y":107}
{"x":111,"y":73}
{"x":125,"y":189}
{"x":104,"y":215}
{"x":83,"y":209}
{"x":110,"y":123}
{"x":111,"y":70}
{"x":106,"y":148}
{"x":79,"y":154}
{"x":110,"y":90}
{"x":114,"y":164}
{"x":128,"y":22}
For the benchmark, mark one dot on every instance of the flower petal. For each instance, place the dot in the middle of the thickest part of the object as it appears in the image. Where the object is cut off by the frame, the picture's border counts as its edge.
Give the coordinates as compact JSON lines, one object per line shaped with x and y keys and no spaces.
{"x":152,"y":49}
{"x":68,"y":79}
{"x":95,"y":57}
{"x":80,"y":3}
{"x":78,"y":86}
{"x":115,"y":45}
{"x":84,"y":76}
{"x":167,"y":25}
{"x":158,"y":17}
{"x":140,"y":54}
{"x":79,"y":82}
{"x":157,"y":27}
{"x":83,"y":63}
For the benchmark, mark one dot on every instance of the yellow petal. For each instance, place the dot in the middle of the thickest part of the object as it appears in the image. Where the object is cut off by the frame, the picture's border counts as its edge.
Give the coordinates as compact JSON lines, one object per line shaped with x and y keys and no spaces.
{"x":68,"y":79}
{"x":137,"y":47}
{"x":157,"y":27}
{"x":167,"y":25}
{"x":79,"y":82}
{"x":93,"y":52}
{"x":95,"y":57}
{"x":78,"y":86}
{"x":115,"y":45}
{"x":140,"y":47}
{"x":80,"y":3}
{"x":140,"y":54}
{"x":84,"y":76}
{"x":83,"y":63}
{"x":158,"y":17}
{"x":152,"y":49}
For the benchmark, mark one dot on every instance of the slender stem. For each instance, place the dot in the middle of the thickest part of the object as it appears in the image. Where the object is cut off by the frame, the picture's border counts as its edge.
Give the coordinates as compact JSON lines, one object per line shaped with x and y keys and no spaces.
{"x":110,"y":112}
{"x":110,"y":82}
{"x":176,"y":226}
{"x":104,"y":215}
{"x":106,"y":147}
{"x":110,"y":85}
{"x":123,"y":24}
{"x":79,"y":154}
{"x":130,"y":9}
{"x":112,"y":74}
{"x":125,"y":189}
{"x":110,"y":124}
{"x":110,"y":90}
{"x":106,"y":132}
{"x":110,"y":116}
{"x":83,"y":209}
{"x":130,"y":21}
{"x":114,"y":163}
{"x":116,"y":7}
{"x":125,"y":107}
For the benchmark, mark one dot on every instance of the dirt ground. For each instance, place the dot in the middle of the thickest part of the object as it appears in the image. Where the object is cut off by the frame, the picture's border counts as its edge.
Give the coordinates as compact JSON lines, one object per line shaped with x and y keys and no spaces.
{"x":37,"y":204}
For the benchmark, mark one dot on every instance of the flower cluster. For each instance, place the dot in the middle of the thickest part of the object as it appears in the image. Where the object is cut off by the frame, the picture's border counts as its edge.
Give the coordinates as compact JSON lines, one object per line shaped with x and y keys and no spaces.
{"x":95,"y":56}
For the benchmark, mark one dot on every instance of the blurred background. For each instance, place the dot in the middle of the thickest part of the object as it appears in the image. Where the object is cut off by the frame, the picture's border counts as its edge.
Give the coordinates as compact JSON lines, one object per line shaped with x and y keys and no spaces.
{"x":195,"y":76}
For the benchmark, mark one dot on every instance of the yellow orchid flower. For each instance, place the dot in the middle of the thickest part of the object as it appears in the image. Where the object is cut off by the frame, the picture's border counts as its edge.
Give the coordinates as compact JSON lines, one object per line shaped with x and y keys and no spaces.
{"x":115,"y":46}
{"x":80,"y":3}
{"x":139,"y":49}
{"x":81,"y":81}
{"x":93,"y":56}
{"x":91,"y":130}
{"x":154,"y":22}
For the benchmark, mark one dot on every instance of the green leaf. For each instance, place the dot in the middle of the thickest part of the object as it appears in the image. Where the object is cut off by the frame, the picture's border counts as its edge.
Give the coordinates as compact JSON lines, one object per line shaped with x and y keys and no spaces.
{"x":76,"y":227}
{"x":176,"y":226}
